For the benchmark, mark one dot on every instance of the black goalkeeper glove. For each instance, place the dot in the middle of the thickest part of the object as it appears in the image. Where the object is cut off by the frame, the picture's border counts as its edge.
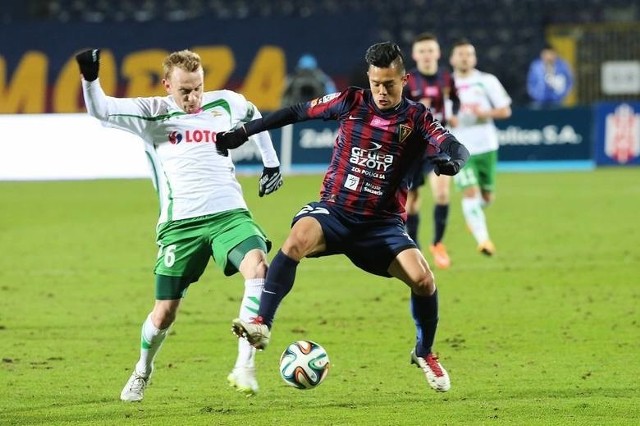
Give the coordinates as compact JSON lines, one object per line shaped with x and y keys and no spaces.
{"x":444,"y":165}
{"x":270,"y":181}
{"x":230,"y":140}
{"x":89,"y":63}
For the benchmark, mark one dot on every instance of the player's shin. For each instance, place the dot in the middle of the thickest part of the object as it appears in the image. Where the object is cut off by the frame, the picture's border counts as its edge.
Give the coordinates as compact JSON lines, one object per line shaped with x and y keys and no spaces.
{"x":440,"y":216}
{"x":280,"y":278}
{"x":248,"y":311}
{"x":424,"y":310}
{"x":150,"y":343}
{"x":475,"y":218}
{"x":412,"y":225}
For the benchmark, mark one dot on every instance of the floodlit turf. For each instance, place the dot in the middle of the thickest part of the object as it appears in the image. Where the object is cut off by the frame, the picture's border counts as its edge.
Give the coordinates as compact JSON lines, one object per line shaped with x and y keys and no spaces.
{"x":546,"y":332}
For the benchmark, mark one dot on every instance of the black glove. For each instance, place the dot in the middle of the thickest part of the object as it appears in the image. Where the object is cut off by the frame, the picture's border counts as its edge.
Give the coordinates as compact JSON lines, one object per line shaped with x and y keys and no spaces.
{"x":230,"y":140}
{"x":270,"y":181}
{"x":89,"y":63}
{"x":444,"y":165}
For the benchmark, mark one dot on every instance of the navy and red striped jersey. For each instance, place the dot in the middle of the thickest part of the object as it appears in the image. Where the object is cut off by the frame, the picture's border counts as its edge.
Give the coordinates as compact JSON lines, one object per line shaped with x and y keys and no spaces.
{"x":374,"y":150}
{"x":432,"y":90}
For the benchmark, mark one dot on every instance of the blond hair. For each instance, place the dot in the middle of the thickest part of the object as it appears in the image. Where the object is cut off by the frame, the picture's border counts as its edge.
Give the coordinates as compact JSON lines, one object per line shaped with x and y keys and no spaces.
{"x":183,"y":59}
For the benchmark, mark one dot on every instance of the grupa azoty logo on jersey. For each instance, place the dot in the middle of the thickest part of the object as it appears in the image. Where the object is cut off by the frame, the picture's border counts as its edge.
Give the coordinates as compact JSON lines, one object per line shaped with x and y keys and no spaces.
{"x":371,"y":159}
{"x":192,"y":136}
{"x":622,"y":134}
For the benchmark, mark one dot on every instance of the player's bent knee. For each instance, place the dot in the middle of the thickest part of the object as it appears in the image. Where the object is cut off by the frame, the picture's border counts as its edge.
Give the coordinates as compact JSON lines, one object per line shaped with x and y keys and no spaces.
{"x":299,"y":244}
{"x":442,"y":198}
{"x":294,"y":250}
{"x":254,"y":265}
{"x":260,"y":269}
{"x":425,"y":286}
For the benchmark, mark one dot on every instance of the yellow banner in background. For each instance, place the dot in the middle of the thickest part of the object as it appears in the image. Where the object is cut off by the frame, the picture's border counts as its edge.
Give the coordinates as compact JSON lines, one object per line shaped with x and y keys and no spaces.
{"x":27,"y":90}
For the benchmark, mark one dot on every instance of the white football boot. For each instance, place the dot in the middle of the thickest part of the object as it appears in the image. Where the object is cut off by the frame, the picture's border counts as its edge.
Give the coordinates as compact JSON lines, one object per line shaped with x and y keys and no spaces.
{"x":437,"y":376}
{"x":256,"y":333}
{"x":134,"y":389}
{"x":244,"y":380}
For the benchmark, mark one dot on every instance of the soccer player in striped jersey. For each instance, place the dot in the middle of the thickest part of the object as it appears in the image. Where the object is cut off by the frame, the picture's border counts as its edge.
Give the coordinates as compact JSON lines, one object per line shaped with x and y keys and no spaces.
{"x":434,"y":87}
{"x":202,"y":210}
{"x":483,"y":99}
{"x":361,"y":214}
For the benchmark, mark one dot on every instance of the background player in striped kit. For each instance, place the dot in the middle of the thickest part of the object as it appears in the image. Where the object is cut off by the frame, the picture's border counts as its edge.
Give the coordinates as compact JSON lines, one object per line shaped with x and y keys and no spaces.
{"x":202,"y":210}
{"x":483,"y":99}
{"x":361,"y":212}
{"x":434,"y":87}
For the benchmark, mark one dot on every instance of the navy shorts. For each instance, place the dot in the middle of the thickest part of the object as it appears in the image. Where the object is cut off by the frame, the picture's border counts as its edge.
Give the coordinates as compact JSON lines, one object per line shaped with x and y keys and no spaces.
{"x":370,"y":243}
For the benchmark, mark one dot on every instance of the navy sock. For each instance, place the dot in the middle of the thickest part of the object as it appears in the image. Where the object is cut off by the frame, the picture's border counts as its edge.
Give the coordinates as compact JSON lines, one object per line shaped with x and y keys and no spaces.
{"x":413,"y":220}
{"x":425,"y":314}
{"x":440,"y":216}
{"x":279,"y":281}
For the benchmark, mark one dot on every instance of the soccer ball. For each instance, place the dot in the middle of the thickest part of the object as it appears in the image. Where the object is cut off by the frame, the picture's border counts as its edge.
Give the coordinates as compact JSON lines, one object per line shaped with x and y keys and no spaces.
{"x":304,"y":364}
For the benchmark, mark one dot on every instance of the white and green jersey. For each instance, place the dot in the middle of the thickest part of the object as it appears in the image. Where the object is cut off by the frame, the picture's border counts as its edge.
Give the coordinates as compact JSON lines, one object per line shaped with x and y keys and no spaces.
{"x":191,"y":178}
{"x":484,"y":91}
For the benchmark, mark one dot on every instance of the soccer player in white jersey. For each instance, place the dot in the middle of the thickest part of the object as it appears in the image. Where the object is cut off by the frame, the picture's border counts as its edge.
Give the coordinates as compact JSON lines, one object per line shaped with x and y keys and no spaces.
{"x":202,"y":210}
{"x":483,"y":99}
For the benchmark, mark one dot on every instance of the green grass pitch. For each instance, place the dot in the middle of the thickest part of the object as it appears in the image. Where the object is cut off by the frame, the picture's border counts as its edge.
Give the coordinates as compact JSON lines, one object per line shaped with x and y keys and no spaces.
{"x":546,"y":332}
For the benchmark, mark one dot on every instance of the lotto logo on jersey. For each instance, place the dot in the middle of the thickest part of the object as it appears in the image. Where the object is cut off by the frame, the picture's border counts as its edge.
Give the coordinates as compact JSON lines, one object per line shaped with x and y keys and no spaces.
{"x":192,"y":136}
{"x":175,"y":137}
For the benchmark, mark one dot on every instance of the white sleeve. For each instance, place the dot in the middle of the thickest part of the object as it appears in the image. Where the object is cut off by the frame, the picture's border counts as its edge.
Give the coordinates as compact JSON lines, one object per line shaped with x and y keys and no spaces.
{"x":120,"y":113}
{"x":497,"y":94}
{"x":264,"y":142}
{"x":95,"y":99}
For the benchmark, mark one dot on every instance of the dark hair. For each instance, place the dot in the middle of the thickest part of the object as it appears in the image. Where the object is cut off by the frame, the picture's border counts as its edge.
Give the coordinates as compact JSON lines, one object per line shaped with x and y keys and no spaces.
{"x":461,"y":42}
{"x":425,"y":36}
{"x":384,"y":55}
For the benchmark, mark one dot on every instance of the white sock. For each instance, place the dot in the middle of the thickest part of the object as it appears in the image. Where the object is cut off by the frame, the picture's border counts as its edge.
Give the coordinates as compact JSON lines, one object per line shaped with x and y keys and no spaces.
{"x":248,"y":311}
{"x":150,"y":343}
{"x":475,"y":218}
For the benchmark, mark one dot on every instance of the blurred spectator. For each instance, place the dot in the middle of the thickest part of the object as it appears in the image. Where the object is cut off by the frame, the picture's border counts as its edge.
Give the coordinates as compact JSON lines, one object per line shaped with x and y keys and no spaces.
{"x":307,"y":82}
{"x":549,"y":79}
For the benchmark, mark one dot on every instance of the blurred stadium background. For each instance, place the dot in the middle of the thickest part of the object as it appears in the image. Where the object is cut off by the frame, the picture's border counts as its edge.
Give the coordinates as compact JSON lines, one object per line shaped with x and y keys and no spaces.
{"x":555,"y":315}
{"x":508,"y":33}
{"x":251,"y":45}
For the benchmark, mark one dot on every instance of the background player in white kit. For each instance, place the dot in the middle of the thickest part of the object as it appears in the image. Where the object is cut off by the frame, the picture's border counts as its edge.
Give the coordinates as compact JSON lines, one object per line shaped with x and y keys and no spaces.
{"x":483,"y":99}
{"x":202,"y":210}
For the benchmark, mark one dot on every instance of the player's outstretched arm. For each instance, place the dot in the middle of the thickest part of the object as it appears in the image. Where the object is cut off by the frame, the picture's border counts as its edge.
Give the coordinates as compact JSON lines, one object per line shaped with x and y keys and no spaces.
{"x":234,"y":138}
{"x":94,"y":97}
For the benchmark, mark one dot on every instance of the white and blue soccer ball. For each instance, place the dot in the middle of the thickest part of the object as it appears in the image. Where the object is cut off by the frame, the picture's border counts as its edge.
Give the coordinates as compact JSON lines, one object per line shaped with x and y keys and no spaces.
{"x":304,"y":364}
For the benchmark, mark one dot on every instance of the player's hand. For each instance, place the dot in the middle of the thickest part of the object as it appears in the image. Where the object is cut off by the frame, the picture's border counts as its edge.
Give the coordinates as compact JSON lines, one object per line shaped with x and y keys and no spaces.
{"x":444,"y":165}
{"x":270,"y":181}
{"x":230,"y":140}
{"x":89,"y":63}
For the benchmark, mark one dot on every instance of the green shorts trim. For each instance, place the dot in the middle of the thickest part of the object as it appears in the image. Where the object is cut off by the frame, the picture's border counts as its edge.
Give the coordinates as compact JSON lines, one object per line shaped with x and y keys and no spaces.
{"x":171,"y":288}
{"x":187,"y":245}
{"x":479,"y":171}
{"x":237,"y":254}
